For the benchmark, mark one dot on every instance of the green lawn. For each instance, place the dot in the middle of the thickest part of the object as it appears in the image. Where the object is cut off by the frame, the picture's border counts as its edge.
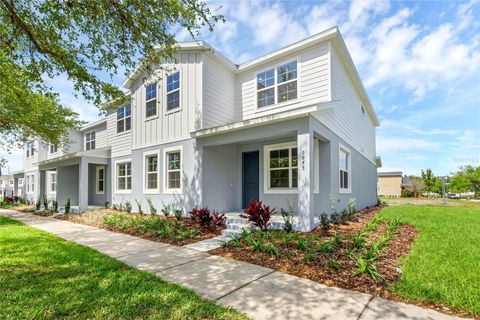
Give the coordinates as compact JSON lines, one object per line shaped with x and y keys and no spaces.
{"x":444,"y":264}
{"x":42,"y":276}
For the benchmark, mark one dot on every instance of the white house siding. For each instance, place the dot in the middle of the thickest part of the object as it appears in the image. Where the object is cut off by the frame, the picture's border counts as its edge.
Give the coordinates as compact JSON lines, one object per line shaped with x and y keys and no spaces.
{"x":175,"y":124}
{"x":346,"y":120}
{"x":313,"y":74}
{"x":120,"y":143}
{"x":75,"y":144}
{"x":218,"y":94}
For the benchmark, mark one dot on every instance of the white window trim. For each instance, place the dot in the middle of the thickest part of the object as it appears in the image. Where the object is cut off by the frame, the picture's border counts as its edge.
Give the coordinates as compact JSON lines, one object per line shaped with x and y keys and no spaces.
{"x":97,"y":179}
{"x":115,"y":181}
{"x":166,"y":151}
{"x":284,"y":103}
{"x":144,"y":171}
{"x":30,"y":186}
{"x":179,"y":108}
{"x":153,"y":116}
{"x":50,"y":174}
{"x":266,"y":168}
{"x":94,"y":140}
{"x":50,"y":149}
{"x":348,"y":190}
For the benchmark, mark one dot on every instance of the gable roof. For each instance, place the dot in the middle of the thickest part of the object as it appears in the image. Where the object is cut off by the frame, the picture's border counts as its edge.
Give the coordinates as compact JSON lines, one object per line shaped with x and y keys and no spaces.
{"x":333,"y":35}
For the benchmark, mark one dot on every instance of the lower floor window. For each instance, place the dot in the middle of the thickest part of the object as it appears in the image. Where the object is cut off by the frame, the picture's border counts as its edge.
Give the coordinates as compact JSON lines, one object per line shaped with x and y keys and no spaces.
{"x":344,"y":170}
{"x":100,"y":180}
{"x":124,"y":176}
{"x":282,"y":167}
{"x":174,"y":169}
{"x":53,"y":182}
{"x":151,"y":162}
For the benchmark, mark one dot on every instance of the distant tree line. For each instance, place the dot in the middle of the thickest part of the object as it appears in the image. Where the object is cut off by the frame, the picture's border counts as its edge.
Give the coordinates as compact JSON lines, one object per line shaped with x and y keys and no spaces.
{"x":466,"y":179}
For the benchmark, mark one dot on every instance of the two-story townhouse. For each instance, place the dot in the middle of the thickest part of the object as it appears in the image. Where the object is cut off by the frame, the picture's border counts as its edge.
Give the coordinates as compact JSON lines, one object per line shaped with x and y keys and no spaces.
{"x":294,"y":126}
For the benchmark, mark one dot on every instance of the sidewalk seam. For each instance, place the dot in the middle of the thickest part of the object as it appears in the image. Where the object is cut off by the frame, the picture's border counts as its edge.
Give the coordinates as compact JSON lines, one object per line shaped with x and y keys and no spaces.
{"x":365,"y":307}
{"x":182,"y":264}
{"x":244,"y":285}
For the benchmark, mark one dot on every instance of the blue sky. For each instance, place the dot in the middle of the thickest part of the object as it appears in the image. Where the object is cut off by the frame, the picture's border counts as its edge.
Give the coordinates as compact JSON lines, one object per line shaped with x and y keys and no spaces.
{"x":419,"y":61}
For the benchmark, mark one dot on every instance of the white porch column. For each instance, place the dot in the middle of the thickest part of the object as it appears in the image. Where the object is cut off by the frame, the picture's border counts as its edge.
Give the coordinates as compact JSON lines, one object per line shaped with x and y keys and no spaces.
{"x":305,"y":180}
{"x":83,"y":185}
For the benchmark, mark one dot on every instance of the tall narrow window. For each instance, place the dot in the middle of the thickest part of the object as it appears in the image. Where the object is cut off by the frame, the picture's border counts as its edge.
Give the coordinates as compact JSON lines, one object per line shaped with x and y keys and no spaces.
{"x":30,"y":149}
{"x":344,"y":166}
{"x":151,"y":172}
{"x":53,"y":148}
{"x":173,"y":91}
{"x":151,"y":100}
{"x":124,"y":118}
{"x":27,"y":183}
{"x":282,"y":166}
{"x":53,"y":182}
{"x":266,"y":88}
{"x":174,"y":170}
{"x":90,"y":141}
{"x":100,"y":173}
{"x":124,"y":176}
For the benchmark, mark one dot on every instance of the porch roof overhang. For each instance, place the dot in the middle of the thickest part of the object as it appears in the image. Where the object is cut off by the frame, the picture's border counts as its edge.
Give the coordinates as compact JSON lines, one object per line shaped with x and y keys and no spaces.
{"x":18,"y":174}
{"x":263,"y":120}
{"x":97,"y":153}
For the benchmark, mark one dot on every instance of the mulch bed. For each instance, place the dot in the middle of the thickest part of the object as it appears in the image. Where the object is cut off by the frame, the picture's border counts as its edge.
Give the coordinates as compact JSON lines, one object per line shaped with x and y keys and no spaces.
{"x":319,"y":270}
{"x":94,"y":218}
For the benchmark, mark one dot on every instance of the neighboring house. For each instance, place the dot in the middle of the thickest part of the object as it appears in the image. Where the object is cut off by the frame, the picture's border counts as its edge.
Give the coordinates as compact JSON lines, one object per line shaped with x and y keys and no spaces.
{"x":389,"y":184}
{"x":295,"y":125}
{"x":8,"y":187}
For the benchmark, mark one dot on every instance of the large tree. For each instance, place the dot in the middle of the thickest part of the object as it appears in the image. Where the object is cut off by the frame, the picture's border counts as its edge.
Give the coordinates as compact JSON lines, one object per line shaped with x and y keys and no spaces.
{"x":466,"y":179}
{"x":41,"y":39}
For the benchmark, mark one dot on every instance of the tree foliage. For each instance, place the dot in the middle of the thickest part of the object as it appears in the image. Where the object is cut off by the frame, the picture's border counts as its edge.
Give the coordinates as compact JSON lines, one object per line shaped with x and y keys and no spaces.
{"x":42,"y":39}
{"x":466,"y":179}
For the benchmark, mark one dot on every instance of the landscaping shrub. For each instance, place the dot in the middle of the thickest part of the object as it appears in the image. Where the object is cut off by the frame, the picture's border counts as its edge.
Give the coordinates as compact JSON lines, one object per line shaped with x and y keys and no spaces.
{"x":178,"y":213}
{"x":9,"y":200}
{"x":128,"y":206}
{"x":67,"y":206}
{"x":336,"y":218}
{"x":139,"y":205}
{"x":258,"y":214}
{"x":206,"y":219}
{"x":288,"y":218}
{"x":166,"y":210}
{"x":151,"y":207}
{"x":55,"y":205}
{"x":38,"y":204}
{"x":324,"y":222}
{"x":45,"y":203}
{"x":106,"y":204}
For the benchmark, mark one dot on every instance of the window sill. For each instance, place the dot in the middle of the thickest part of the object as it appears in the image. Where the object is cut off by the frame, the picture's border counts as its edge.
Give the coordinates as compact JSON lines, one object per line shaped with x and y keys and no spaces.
{"x":100,"y":192}
{"x":173,"y":191}
{"x":123,"y":132}
{"x":123,"y":191}
{"x":278,"y":105}
{"x":281,"y":191}
{"x":151,"y":191}
{"x":177,"y":109}
{"x":150,"y":118}
{"x":345,"y":191}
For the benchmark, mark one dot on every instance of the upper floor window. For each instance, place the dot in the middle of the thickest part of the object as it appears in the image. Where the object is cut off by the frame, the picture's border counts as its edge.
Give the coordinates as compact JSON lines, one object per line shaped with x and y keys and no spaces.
{"x":124,"y":118}
{"x":151,"y":100}
{"x":90,"y":141}
{"x":173,"y":91}
{"x":344,"y":170}
{"x":53,"y":148}
{"x":277,"y":85}
{"x":30,"y":149}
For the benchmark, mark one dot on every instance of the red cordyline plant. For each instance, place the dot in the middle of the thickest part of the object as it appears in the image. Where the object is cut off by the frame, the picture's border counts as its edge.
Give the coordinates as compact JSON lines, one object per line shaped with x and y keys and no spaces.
{"x":206,"y":219}
{"x":258,"y":214}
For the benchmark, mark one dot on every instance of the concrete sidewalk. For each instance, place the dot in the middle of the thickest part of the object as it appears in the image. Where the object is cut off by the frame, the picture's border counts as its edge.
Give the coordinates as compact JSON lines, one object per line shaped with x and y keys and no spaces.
{"x":260,"y":292}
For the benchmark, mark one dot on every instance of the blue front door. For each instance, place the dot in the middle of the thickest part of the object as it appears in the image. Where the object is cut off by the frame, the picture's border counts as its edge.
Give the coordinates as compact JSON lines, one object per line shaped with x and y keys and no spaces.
{"x":251,"y":180}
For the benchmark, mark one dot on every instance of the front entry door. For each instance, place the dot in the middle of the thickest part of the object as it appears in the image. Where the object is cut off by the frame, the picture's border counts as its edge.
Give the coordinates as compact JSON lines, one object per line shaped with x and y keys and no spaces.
{"x":251,"y":181}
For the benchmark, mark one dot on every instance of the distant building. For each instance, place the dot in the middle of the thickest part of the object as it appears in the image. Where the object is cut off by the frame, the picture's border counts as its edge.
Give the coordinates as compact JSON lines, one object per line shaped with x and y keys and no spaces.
{"x":6,"y":186}
{"x":389,"y":184}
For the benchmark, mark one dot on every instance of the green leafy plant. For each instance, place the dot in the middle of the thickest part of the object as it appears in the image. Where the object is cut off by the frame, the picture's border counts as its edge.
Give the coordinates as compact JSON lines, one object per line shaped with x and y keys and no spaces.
{"x":367,"y":267}
{"x":139,"y":206}
{"x":151,"y":207}
{"x":167,"y":210}
{"x":272,"y":250}
{"x":352,"y":211}
{"x":288,"y":216}
{"x":333,"y":264}
{"x":178,"y":213}
{"x":67,"y":206}
{"x":234,"y":242}
{"x":302,"y":244}
{"x":55,"y":205}
{"x":324,"y":222}
{"x":45,"y":203}
{"x":309,"y":256}
{"x":128,"y":206}
{"x":336,"y":218}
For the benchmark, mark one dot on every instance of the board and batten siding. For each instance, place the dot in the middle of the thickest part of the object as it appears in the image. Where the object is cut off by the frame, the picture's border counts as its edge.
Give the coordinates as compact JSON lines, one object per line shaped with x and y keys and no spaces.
{"x":168,"y":126}
{"x":346,"y":119}
{"x":313,"y":72}
{"x":120,"y":143}
{"x":218,"y":94}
